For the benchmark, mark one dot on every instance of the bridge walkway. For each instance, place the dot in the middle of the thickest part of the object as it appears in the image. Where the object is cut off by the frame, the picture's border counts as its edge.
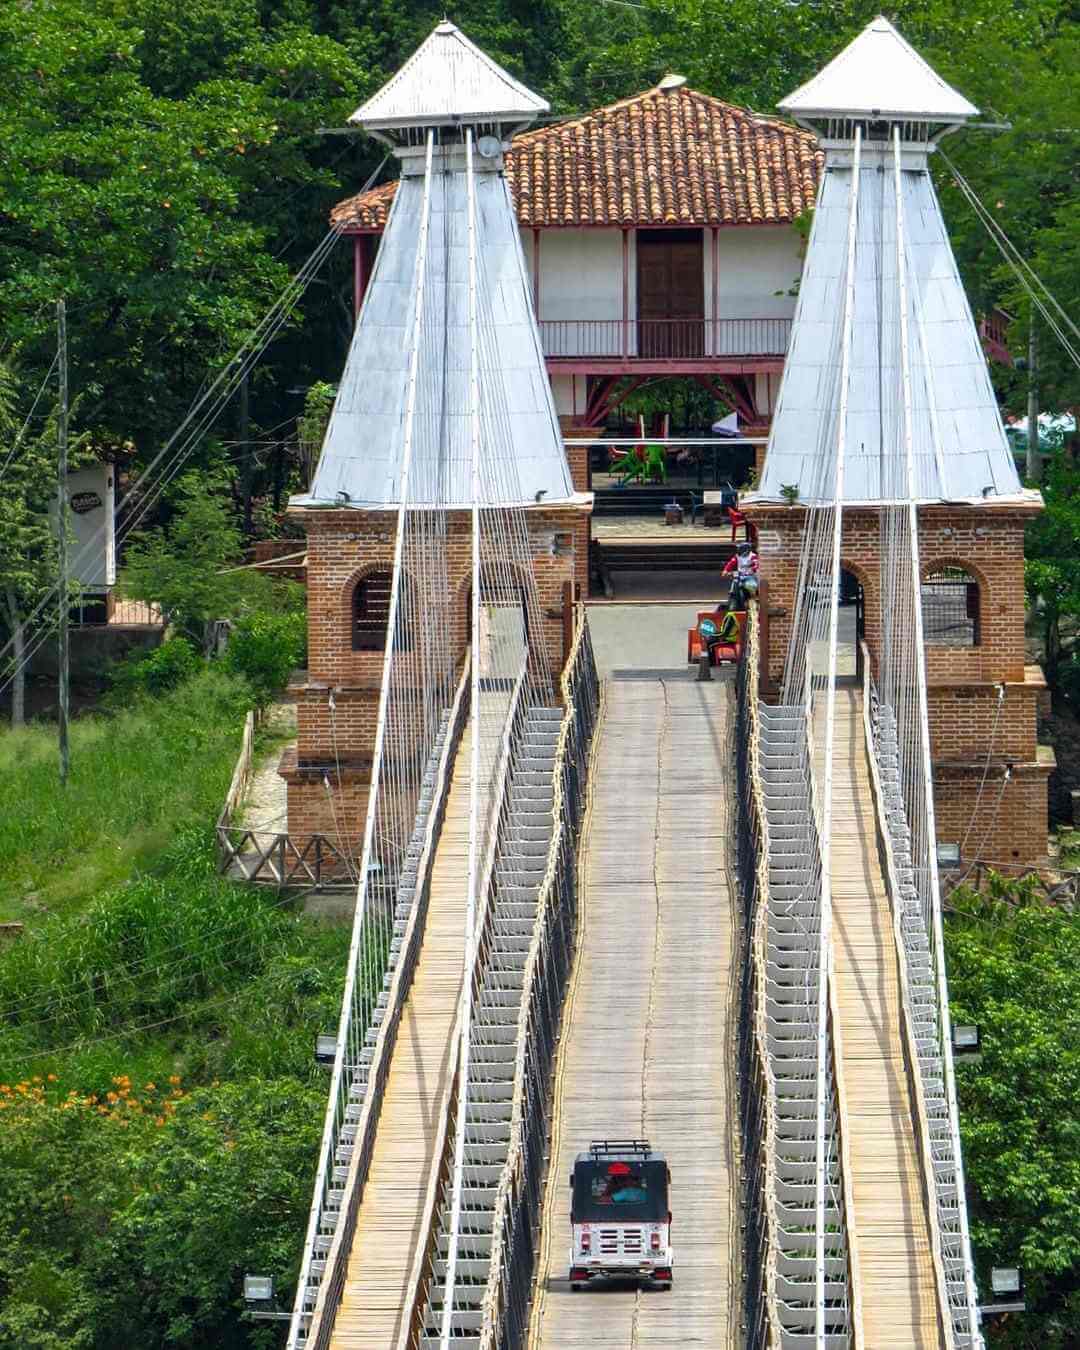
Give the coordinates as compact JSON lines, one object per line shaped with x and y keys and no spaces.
{"x":646,"y":1042}
{"x":390,"y":1224}
{"x":889,"y":1225}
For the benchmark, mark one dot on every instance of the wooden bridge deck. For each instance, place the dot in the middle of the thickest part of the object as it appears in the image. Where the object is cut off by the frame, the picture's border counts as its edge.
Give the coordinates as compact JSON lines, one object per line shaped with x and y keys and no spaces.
{"x":388,"y":1230}
{"x":892,"y":1240}
{"x":646,"y":1045}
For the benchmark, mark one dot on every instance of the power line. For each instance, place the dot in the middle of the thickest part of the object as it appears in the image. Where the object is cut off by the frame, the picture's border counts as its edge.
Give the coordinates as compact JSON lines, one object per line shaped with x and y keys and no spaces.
{"x":1046,"y":302}
{"x":22,"y":430}
{"x":133,"y":971}
{"x":226,"y":382}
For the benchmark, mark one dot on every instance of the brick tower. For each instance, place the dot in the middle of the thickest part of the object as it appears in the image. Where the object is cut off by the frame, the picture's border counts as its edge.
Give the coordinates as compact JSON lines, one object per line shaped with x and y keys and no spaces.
{"x":989,"y":772}
{"x":407,"y":381}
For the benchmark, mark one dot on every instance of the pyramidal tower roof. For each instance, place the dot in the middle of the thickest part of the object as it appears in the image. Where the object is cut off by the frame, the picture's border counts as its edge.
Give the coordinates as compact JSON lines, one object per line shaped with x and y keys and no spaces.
{"x":445,"y":359}
{"x":448,"y":79}
{"x":879,"y":75}
{"x":884,"y":353}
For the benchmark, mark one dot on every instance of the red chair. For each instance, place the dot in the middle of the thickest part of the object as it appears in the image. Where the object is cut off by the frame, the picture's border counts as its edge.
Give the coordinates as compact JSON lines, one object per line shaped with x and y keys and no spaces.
{"x":737,"y":519}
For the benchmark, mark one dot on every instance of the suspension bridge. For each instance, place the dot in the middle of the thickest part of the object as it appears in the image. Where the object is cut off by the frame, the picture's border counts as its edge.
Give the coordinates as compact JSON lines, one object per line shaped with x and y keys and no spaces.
{"x":703,"y":913}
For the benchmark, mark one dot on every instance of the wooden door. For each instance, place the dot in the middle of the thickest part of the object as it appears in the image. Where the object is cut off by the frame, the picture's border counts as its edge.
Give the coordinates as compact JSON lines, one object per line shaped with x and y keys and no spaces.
{"x":670,"y":293}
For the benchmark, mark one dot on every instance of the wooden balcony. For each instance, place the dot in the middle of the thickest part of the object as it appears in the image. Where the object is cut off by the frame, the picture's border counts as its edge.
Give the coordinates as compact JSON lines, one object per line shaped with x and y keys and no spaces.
{"x":606,"y":346}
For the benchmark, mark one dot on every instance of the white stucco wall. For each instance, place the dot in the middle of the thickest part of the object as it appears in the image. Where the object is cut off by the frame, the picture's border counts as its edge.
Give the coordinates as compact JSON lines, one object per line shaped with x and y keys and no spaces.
{"x":581,"y":280}
{"x":562,"y":386}
{"x":754,"y":264}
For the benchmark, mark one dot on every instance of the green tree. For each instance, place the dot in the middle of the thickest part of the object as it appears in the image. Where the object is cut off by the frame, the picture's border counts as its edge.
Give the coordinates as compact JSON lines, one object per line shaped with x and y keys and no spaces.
{"x":192,"y":567}
{"x":28,"y":545}
{"x":1052,"y":571}
{"x":1012,"y":970}
{"x":162,"y":170}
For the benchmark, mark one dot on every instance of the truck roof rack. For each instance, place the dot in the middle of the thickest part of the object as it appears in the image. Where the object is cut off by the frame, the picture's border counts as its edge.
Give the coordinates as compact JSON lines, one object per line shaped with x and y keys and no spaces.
{"x":619,"y":1148}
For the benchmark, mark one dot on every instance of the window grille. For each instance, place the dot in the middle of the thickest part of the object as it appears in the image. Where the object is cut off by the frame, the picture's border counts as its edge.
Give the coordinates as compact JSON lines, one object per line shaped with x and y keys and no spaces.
{"x":371,"y":611}
{"x":950,"y":608}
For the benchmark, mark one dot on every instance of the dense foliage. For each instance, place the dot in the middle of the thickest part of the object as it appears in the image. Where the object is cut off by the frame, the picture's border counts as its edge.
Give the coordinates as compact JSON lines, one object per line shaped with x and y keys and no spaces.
{"x":166,"y":175}
{"x":1013,"y":964}
{"x":159,"y":1105}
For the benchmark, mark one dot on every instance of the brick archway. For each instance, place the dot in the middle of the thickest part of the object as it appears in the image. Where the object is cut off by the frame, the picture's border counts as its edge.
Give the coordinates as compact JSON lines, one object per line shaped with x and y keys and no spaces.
{"x":966,"y":612}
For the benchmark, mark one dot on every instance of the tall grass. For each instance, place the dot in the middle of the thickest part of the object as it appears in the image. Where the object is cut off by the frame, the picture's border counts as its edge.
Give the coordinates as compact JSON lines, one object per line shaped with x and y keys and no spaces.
{"x":180,"y":969}
{"x":135,"y":780}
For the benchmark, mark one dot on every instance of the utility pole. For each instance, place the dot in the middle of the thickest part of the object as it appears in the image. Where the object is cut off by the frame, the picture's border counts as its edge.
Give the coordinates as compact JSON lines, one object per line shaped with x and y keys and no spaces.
{"x":1034,"y":458}
{"x":247,"y":471}
{"x":61,"y":532}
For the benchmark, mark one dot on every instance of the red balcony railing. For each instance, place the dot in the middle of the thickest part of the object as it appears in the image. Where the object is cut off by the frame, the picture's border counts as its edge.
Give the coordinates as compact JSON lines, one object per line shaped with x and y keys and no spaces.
{"x":663,"y":339}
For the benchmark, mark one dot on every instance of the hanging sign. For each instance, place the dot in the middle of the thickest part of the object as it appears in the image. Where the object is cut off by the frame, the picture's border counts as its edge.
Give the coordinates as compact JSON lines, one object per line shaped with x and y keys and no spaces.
{"x":81,"y":502}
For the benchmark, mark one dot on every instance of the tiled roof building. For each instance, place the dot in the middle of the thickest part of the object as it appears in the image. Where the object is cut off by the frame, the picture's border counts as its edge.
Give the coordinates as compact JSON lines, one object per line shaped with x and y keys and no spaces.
{"x":665,"y":158}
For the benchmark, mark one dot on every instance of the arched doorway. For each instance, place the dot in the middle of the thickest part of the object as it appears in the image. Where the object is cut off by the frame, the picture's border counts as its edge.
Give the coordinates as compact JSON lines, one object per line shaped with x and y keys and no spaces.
{"x":851,"y":628}
{"x":504,"y":621}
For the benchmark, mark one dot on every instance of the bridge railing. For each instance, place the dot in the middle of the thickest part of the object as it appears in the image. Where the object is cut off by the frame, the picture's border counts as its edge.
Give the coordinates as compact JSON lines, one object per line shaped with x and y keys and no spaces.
{"x":925,"y":1040}
{"x":757,"y":1086}
{"x":801,"y":1276}
{"x":519,"y":1195}
{"x":339,"y":1188}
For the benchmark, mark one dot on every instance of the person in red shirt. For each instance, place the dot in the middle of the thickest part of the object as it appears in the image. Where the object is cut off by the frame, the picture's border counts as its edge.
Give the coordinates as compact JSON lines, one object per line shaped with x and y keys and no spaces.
{"x":743,"y":570}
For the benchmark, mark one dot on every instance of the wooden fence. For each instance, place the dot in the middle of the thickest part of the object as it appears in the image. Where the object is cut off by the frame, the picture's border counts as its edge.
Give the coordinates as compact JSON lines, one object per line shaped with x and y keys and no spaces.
{"x":274,"y":857}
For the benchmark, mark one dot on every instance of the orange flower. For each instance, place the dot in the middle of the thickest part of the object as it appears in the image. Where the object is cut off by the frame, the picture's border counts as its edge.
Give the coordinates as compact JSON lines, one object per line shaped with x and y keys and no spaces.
{"x":174,"y":1078}
{"x":51,"y":1077}
{"x":150,"y":1087}
{"x":159,"y":1120}
{"x":112,"y":1097}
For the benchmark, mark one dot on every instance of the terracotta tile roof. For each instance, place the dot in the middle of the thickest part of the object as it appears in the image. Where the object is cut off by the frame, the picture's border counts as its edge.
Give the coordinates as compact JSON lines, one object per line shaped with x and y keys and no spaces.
{"x":662,"y":158}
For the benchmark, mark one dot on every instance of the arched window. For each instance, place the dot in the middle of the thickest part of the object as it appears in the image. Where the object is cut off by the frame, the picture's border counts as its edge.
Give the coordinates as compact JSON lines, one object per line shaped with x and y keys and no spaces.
{"x":371,"y":611}
{"x":950,"y":608}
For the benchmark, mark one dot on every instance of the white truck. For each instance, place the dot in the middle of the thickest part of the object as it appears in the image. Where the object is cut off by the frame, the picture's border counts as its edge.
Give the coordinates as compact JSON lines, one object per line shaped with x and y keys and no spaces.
{"x":620,"y":1220}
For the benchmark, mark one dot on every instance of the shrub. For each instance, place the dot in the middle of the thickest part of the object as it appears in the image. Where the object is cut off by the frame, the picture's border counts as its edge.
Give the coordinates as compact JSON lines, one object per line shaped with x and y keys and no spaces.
{"x":165,"y":668}
{"x":265,"y":649}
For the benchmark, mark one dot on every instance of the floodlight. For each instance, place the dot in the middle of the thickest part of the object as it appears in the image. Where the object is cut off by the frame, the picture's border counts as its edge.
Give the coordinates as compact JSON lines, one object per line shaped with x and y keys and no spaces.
{"x":948,"y":855}
{"x":1005,"y":1279}
{"x":965,"y":1039}
{"x":258,"y":1288}
{"x":325,"y":1047}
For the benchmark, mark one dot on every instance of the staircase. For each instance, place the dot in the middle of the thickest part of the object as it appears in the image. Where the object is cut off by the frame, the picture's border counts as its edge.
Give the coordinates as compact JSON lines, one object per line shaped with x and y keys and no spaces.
{"x":519,"y":872}
{"x":791,"y":985}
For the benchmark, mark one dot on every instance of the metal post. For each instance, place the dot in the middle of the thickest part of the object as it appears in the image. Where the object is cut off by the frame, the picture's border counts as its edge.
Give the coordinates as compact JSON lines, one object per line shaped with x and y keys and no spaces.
{"x":1034,"y":459}
{"x":61,"y":538}
{"x":625,"y":293}
{"x":825,"y":934}
{"x":247,"y":474}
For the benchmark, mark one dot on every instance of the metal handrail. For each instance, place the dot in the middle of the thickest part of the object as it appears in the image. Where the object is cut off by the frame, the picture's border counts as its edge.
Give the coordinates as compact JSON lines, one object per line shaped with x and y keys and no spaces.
{"x":948,"y":1310}
{"x":761,"y":1143}
{"x":330,"y":1288}
{"x":762,"y":1318}
{"x":472,"y":976}
{"x":834,"y":1052}
{"x":665,"y":339}
{"x":519,"y":1182}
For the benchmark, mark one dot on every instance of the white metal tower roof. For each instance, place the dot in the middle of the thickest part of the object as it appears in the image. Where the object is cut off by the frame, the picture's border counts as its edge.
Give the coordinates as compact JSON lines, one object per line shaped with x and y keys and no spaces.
{"x":448,"y":80}
{"x":958,"y":443}
{"x":879,"y":75}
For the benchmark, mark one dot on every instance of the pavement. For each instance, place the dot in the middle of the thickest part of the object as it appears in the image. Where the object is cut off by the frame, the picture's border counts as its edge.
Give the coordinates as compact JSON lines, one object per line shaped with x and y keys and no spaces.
{"x":644,"y":637}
